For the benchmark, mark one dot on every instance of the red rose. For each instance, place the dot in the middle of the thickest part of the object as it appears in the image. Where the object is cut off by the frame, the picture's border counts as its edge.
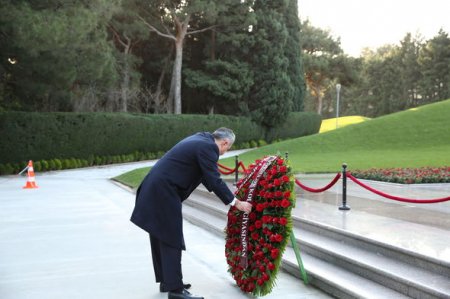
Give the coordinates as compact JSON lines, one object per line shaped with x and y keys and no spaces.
{"x":282,"y":221}
{"x":280,"y":161}
{"x":266,"y":219}
{"x":285,"y":203}
{"x":283,"y":169}
{"x":287,"y":194}
{"x":278,"y":194}
{"x":277,"y":182}
{"x":285,"y":178}
{"x":271,"y":266}
{"x":260,"y":281}
{"x":252,"y":216}
{"x":274,"y":253}
{"x":260,"y":207}
{"x":258,"y":224}
{"x":255,"y":236}
{"x":278,"y":238}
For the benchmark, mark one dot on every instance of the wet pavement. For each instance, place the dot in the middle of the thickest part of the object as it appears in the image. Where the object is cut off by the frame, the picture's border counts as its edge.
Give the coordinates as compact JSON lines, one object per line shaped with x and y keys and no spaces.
{"x":421,"y":228}
{"x":72,"y":238}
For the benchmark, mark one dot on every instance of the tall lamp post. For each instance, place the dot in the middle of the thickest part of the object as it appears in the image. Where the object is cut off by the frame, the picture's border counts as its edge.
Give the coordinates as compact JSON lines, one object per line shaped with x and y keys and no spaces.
{"x":338,"y":90}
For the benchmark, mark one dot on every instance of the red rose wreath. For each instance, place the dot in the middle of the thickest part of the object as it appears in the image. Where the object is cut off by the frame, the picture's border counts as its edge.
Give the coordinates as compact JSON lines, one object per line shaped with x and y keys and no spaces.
{"x":255,"y":242}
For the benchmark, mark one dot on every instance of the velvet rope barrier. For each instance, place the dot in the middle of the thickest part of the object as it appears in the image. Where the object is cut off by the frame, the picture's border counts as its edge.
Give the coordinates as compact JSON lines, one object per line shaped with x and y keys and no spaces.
{"x":231,"y":170}
{"x":396,"y":197}
{"x":242,"y":166}
{"x":226,"y":172}
{"x":331,"y":184}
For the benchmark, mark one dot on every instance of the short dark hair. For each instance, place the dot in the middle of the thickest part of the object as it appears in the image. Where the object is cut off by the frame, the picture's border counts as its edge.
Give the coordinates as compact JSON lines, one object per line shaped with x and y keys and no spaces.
{"x":224,"y":133}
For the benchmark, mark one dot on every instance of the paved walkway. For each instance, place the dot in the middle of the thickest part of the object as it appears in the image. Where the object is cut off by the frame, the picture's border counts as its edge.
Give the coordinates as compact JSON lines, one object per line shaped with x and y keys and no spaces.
{"x":72,"y":238}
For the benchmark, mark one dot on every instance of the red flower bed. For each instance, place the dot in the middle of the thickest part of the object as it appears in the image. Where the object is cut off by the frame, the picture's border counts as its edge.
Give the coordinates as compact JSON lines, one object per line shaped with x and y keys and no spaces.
{"x":406,"y":175}
{"x":255,"y":242}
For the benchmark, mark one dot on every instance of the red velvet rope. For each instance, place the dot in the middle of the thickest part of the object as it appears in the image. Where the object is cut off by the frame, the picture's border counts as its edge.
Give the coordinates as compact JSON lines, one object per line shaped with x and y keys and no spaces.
{"x":396,"y":197}
{"x":336,"y":178}
{"x":231,"y":170}
{"x":226,"y":172}
{"x":242,"y":166}
{"x":225,"y":167}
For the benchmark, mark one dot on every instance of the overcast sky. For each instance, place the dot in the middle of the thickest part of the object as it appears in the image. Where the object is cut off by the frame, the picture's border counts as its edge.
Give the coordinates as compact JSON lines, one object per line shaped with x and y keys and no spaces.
{"x":373,"y":23}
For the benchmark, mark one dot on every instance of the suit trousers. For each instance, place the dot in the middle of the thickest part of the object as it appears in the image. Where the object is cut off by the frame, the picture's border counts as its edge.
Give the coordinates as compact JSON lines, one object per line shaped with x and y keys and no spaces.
{"x":166,"y":264}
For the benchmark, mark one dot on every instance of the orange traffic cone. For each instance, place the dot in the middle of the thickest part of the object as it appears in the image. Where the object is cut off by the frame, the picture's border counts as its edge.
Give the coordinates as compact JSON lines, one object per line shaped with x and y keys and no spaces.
{"x":31,"y":180}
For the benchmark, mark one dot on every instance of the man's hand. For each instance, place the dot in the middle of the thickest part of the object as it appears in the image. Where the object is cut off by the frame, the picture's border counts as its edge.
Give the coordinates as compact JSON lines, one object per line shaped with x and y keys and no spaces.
{"x":243,"y":206}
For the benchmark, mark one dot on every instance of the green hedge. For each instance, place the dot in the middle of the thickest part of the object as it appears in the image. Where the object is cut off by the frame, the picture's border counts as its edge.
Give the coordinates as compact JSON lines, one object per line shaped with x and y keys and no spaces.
{"x":90,"y":136}
{"x":297,"y":124}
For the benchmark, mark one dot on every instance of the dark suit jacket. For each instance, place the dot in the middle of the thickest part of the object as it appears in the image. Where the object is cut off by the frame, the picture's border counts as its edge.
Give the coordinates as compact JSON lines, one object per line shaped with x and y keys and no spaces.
{"x":173,"y":178}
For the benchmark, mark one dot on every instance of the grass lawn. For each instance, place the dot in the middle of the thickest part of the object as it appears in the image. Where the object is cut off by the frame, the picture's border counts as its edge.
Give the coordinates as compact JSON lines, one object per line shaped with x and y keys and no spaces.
{"x":417,"y":137}
{"x":330,"y":123}
{"x":413,"y":138}
{"x":132,"y":178}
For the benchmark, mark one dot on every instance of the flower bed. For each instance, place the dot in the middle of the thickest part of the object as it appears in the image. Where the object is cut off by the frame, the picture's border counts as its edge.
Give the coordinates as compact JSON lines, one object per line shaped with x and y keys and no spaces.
{"x":406,"y":175}
{"x":255,"y":242}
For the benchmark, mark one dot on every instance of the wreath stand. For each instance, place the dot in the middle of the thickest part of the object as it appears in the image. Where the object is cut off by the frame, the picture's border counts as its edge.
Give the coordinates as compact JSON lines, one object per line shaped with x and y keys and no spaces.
{"x":299,"y":259}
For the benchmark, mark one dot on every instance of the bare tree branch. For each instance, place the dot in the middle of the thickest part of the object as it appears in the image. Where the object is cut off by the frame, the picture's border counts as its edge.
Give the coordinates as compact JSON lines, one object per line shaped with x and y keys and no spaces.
{"x":152,"y":28}
{"x":200,"y":30}
{"x":117,"y":35}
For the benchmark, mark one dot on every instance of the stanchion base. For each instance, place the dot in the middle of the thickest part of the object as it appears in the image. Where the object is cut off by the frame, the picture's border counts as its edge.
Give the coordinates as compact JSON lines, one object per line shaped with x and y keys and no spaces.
{"x":344,"y":208}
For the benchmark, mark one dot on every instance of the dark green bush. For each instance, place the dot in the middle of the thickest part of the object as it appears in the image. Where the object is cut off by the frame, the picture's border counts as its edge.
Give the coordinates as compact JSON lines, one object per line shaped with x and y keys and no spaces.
{"x":297,"y":124}
{"x":102,"y":138}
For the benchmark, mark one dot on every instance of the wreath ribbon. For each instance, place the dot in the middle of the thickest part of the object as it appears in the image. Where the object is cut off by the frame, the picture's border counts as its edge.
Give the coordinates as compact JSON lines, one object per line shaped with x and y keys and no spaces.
{"x":251,"y":192}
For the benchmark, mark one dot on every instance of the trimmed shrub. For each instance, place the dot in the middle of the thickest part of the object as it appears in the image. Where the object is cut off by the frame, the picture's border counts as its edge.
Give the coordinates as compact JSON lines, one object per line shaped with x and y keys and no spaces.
{"x":298,"y":124}
{"x":99,"y":137}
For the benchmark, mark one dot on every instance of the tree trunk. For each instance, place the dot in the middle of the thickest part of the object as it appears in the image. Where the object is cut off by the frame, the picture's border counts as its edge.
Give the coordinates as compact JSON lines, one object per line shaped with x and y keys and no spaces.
{"x":177,"y":75}
{"x":125,"y":84}
{"x":158,"y":101}
{"x":319,"y":101}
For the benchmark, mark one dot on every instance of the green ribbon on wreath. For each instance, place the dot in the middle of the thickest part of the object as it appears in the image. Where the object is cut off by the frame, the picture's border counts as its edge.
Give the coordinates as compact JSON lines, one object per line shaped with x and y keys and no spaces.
{"x":299,"y":259}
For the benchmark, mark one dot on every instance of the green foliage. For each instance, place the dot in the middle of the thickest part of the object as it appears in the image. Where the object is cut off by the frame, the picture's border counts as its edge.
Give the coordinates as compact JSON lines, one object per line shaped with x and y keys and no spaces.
{"x":227,"y":81}
{"x":132,"y":178}
{"x":413,"y":138}
{"x":58,"y":51}
{"x":297,"y":124}
{"x":38,"y":136}
{"x":294,"y":55}
{"x":271,"y":96}
{"x":434,"y":60}
{"x":395,"y":78}
{"x":421,"y":175}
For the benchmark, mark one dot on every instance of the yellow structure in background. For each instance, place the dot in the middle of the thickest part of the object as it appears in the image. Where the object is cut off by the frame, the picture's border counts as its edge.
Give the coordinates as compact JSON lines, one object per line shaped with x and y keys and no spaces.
{"x":330,"y":123}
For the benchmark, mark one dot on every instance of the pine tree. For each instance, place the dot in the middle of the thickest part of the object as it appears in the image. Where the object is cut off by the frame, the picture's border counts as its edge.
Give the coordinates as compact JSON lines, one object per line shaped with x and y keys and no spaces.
{"x":58,"y":50}
{"x":294,"y":55}
{"x":434,"y":60}
{"x":222,"y":73}
{"x":270,"y":98}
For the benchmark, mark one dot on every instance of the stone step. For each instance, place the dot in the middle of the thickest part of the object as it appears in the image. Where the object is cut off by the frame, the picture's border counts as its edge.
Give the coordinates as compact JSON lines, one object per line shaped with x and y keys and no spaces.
{"x":403,"y":277}
{"x":328,"y":277}
{"x":383,"y":272}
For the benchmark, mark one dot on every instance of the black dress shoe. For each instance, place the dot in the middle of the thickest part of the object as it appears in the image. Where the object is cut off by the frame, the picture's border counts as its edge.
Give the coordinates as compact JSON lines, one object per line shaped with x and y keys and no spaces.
{"x":183,"y":295}
{"x":162,"y":287}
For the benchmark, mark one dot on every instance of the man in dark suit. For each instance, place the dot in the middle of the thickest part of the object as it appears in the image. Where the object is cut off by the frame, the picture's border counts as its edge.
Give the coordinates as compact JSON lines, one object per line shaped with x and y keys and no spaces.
{"x":159,"y":197}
